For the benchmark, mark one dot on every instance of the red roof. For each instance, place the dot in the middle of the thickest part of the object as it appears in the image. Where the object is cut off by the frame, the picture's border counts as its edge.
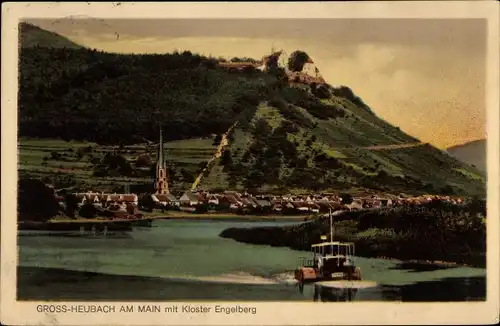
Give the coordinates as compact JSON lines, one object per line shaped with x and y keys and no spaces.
{"x":129,"y":198}
{"x":114,"y":197}
{"x":200,"y":196}
{"x":231,"y":199}
{"x":162,"y":197}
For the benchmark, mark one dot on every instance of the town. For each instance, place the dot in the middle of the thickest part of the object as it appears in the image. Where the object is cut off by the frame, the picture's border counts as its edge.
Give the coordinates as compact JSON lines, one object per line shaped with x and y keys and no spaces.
{"x":245,"y":203}
{"x":92,"y":204}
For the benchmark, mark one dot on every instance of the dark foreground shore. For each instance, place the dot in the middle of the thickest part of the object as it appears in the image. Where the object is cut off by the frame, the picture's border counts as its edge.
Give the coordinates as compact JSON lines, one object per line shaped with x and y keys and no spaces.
{"x":36,"y":283}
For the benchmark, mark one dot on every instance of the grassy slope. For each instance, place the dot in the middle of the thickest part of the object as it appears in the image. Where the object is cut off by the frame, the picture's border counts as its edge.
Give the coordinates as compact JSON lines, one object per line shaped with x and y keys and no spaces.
{"x":345,"y":139}
{"x":63,"y":93}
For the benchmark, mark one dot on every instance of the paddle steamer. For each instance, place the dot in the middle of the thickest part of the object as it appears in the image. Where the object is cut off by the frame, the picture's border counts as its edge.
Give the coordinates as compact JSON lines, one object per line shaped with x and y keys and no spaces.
{"x":332,"y":260}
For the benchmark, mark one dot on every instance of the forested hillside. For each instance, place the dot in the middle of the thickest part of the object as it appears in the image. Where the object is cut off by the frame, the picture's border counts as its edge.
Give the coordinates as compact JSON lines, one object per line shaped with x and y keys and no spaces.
{"x":289,"y":136}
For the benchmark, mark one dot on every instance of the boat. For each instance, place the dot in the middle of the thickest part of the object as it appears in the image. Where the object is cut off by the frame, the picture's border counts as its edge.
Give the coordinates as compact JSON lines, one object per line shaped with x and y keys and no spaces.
{"x":332,"y":260}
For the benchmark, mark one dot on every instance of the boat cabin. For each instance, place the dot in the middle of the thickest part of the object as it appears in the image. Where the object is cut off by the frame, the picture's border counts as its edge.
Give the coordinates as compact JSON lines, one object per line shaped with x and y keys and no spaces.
{"x":334,"y":253}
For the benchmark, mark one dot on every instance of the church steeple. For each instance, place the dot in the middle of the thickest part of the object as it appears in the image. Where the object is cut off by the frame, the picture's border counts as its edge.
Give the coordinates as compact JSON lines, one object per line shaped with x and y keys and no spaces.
{"x":161,"y":184}
{"x":160,"y":160}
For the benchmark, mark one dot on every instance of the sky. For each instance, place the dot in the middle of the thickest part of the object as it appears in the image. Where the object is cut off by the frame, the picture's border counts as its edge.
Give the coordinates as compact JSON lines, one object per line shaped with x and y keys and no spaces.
{"x":426,"y":76}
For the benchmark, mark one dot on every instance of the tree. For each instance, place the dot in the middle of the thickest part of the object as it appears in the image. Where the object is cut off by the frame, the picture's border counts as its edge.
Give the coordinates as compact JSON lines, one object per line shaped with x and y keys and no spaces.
{"x":146,"y":203}
{"x":88,"y":210}
{"x":36,"y":201}
{"x":226,"y":158}
{"x":71,"y":204}
{"x":346,"y":199}
{"x":217,"y":140}
{"x":297,"y":60}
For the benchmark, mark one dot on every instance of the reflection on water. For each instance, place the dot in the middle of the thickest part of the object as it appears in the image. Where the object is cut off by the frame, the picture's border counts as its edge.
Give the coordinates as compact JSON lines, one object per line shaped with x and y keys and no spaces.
{"x":334,"y":294}
{"x":75,"y":234}
{"x":443,"y":290}
{"x":416,"y":267}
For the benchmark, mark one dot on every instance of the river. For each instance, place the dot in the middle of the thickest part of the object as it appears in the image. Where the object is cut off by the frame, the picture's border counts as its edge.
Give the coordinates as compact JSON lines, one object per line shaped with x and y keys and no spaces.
{"x":186,"y":260}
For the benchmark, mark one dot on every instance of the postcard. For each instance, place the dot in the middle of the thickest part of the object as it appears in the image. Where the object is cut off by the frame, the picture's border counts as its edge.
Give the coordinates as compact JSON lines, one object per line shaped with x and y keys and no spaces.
{"x":255,"y":163}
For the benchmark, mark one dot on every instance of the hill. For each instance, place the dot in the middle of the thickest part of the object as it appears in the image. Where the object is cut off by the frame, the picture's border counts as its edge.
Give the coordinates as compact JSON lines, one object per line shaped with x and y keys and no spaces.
{"x":33,"y":36}
{"x":473,"y":153}
{"x":293,"y":132}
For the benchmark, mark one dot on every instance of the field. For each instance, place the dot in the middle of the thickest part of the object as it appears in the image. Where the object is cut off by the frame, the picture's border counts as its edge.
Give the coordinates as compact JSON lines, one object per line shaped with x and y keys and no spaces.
{"x":69,"y":164}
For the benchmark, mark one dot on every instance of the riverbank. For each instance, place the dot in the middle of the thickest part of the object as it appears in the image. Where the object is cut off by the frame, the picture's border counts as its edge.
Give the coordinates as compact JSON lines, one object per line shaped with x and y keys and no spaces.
{"x":230,"y":217}
{"x":436,"y":234}
{"x":84,"y":224}
{"x":98,"y":225}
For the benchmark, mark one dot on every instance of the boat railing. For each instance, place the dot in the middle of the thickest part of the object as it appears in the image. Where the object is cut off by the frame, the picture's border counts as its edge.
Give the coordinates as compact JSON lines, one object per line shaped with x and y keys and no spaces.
{"x":305,"y":261}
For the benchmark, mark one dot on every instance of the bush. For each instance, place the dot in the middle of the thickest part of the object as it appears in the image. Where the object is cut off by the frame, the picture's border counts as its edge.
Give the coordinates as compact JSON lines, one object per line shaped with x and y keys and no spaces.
{"x":294,"y":114}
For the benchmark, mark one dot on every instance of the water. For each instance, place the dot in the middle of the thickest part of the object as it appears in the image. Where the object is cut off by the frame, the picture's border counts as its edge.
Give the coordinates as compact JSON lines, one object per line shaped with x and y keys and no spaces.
{"x":187,"y":260}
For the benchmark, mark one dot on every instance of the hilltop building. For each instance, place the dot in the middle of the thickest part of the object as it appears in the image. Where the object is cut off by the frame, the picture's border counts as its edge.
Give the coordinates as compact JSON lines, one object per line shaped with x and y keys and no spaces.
{"x":309,"y":75}
{"x":161,"y":182}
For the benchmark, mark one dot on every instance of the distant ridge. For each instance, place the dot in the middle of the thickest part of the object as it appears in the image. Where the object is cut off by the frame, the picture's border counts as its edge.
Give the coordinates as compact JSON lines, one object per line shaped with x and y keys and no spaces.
{"x":473,"y":153}
{"x":33,"y":36}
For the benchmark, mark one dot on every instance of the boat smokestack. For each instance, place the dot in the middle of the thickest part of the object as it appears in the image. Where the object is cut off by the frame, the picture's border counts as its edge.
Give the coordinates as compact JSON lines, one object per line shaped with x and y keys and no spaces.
{"x":331,"y":225}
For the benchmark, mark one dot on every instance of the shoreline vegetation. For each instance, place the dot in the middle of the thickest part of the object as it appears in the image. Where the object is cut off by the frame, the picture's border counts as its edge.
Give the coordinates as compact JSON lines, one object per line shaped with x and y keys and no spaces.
{"x":72,"y":224}
{"x":437,"y":232}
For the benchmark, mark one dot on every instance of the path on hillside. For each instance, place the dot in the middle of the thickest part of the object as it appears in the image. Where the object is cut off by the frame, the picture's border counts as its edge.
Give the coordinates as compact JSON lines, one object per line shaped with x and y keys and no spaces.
{"x":218,"y":153}
{"x":382,"y":147}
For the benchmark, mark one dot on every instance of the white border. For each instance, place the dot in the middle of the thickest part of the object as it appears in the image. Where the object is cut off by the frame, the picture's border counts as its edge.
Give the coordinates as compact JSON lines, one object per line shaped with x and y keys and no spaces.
{"x":13,"y":312}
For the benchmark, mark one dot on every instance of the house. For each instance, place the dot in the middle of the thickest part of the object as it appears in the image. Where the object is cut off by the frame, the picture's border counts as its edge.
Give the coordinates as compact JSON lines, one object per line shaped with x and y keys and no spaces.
{"x":314,"y":208}
{"x":102,"y":198}
{"x":212,"y":199}
{"x":232,"y":202}
{"x":263,"y":204}
{"x":276,"y":206}
{"x":202,"y":197}
{"x":83,"y":198}
{"x":165,"y":199}
{"x":301,"y":207}
{"x":132,"y":199}
{"x":190,"y":199}
{"x":248,"y":202}
{"x":354,"y":206}
{"x":385,"y":202}
{"x":236,"y":195}
{"x":113,"y":198}
{"x":324,"y":206}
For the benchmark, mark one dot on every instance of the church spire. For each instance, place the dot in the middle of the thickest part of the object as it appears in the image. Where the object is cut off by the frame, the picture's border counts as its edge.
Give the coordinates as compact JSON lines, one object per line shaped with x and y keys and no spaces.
{"x":161,"y":183}
{"x":160,"y":163}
